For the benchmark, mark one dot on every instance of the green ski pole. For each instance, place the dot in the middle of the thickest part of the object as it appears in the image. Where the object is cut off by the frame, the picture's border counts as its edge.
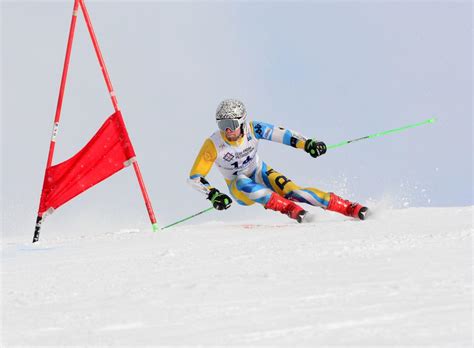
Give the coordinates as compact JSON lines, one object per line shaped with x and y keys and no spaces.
{"x":431,"y":120}
{"x":189,"y":217}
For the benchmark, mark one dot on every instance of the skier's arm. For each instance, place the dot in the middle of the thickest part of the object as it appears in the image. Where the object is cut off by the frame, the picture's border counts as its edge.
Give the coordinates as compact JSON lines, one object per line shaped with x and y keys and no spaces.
{"x":267,"y":131}
{"x":202,"y":165}
{"x":197,"y":177}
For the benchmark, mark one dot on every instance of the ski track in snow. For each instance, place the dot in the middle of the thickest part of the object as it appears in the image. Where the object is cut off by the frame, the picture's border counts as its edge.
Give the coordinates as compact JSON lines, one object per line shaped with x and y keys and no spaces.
{"x":402,"y":278}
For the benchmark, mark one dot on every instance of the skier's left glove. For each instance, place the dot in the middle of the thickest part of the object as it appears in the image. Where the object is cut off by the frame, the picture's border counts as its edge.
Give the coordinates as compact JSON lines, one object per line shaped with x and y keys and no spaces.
{"x":315,"y":148}
{"x":220,"y":201}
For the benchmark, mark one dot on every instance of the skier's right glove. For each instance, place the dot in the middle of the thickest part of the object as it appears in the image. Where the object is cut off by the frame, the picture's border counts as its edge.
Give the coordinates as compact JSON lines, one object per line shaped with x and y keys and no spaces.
{"x":220,"y":201}
{"x":315,"y":148}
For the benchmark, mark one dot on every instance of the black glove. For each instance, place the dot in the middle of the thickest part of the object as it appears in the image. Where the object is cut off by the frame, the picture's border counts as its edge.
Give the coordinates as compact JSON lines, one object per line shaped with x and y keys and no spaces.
{"x":315,"y":148}
{"x":220,"y":201}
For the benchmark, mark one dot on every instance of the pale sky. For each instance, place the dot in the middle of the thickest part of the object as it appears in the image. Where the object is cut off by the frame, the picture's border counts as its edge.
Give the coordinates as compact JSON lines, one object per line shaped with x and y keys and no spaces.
{"x":330,"y":70}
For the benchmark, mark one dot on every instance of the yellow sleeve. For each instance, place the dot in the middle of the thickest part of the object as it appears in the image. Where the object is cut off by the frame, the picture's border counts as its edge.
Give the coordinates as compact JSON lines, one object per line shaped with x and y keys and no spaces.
{"x":204,"y":160}
{"x":202,"y":165}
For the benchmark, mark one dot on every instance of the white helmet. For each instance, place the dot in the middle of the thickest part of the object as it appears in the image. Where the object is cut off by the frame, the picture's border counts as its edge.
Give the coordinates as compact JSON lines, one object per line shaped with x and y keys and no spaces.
{"x":231,"y":113}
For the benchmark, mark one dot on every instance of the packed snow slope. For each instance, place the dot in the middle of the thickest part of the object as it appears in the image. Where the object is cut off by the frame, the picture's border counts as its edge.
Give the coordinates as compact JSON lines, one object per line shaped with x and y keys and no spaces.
{"x":402,"y":278}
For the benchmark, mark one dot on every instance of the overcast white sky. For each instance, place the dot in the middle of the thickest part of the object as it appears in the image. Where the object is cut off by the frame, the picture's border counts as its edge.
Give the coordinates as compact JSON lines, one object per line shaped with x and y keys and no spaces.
{"x":331,"y":70}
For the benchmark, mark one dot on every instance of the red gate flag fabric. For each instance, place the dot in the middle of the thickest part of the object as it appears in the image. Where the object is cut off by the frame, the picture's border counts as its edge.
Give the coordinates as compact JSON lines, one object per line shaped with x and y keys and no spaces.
{"x":109,"y":151}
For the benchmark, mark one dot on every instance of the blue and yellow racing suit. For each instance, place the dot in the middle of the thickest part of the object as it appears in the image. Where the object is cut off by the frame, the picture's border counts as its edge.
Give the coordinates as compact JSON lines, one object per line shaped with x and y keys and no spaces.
{"x":248,"y":178}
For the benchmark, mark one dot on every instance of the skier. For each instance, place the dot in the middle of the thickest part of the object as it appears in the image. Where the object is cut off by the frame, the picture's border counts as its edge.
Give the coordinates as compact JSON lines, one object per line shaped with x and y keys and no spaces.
{"x":233,"y":147}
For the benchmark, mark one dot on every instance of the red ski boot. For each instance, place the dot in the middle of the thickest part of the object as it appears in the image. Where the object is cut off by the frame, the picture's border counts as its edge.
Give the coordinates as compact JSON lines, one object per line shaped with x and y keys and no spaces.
{"x":285,"y":206}
{"x":346,"y":207}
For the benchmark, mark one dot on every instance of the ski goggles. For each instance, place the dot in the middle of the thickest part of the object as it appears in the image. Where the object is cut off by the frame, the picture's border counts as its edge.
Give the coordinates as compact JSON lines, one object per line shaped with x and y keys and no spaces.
{"x":229,"y":123}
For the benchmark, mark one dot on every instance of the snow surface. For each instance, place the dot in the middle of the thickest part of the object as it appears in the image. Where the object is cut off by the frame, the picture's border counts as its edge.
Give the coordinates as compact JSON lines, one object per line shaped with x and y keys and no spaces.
{"x":402,"y":278}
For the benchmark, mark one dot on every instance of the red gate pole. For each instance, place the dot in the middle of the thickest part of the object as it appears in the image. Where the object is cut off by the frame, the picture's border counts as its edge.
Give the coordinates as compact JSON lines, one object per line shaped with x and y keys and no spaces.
{"x":57,"y":116}
{"x":149,"y":207}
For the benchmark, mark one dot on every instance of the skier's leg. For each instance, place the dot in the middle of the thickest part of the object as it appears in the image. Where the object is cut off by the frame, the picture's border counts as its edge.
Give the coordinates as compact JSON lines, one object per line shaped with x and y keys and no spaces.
{"x":288,"y":189}
{"x":246,"y":192}
{"x":311,"y":195}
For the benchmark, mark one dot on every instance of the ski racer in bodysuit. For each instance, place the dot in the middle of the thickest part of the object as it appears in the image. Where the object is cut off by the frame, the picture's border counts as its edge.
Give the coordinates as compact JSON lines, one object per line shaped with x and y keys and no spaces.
{"x":233,"y":148}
